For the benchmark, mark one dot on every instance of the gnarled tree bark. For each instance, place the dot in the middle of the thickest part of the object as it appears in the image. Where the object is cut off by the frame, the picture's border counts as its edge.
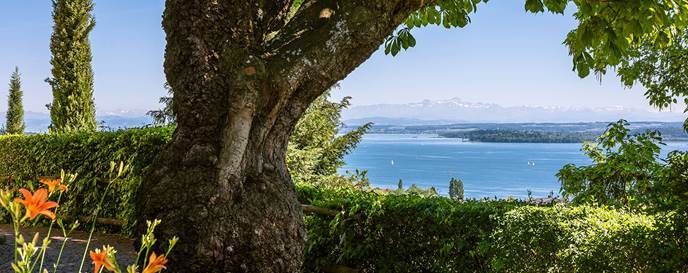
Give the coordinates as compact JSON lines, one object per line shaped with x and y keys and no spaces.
{"x":242,"y":74}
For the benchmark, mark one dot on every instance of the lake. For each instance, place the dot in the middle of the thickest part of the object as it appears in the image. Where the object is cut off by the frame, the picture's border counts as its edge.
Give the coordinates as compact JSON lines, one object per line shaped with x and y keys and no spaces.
{"x":487,"y":169}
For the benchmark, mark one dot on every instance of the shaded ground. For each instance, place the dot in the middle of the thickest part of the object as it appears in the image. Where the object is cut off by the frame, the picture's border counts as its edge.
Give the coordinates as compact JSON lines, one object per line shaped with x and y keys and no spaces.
{"x":74,"y":249}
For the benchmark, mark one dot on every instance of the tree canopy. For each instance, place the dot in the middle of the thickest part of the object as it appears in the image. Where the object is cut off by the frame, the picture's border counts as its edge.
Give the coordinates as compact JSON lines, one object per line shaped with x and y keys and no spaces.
{"x":627,"y":171}
{"x":663,"y":71}
{"x":607,"y":31}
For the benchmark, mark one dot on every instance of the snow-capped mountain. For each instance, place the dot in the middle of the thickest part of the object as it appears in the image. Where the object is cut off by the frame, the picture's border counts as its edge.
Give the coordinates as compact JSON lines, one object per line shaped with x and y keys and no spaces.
{"x":457,"y":110}
{"x":37,"y":122}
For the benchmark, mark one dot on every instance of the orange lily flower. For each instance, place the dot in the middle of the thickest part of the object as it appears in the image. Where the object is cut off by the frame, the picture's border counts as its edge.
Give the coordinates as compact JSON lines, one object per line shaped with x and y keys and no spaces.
{"x":37,"y":203}
{"x":100,"y":259}
{"x":53,"y":184}
{"x":155,"y":263}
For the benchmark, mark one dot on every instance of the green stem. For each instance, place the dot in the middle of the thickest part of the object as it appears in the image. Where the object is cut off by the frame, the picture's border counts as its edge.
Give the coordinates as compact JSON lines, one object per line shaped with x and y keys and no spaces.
{"x":138,"y":256}
{"x":167,"y":253}
{"x":93,"y":225}
{"x":145,"y":260}
{"x":59,"y":255}
{"x":16,"y":236}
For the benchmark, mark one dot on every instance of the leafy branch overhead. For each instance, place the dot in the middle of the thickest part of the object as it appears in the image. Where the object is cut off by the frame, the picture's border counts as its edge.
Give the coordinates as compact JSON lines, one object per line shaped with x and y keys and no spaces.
{"x":608,"y":32}
{"x":662,"y":71}
{"x":447,"y":13}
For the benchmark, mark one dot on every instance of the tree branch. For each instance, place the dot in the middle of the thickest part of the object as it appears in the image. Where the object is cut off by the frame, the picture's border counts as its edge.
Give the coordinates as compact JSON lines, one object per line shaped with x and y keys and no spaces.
{"x":308,"y":209}
{"x":325,"y":41}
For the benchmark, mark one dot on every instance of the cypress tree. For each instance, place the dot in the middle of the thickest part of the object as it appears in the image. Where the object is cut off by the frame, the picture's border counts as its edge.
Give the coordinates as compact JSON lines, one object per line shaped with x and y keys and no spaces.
{"x":456,"y":189}
{"x":15,"y":111}
{"x":72,"y":108}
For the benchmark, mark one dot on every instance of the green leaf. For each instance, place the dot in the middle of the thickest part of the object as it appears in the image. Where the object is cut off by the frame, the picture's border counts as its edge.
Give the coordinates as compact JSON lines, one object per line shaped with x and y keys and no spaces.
{"x":534,"y":6}
{"x":556,"y":6}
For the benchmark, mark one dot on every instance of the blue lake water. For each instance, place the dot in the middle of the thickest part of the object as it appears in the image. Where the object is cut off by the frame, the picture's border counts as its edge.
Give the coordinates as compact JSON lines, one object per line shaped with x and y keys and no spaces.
{"x":487,"y":169}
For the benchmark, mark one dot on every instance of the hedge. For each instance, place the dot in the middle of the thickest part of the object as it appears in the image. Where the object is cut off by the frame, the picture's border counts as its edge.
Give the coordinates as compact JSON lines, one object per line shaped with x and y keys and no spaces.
{"x":29,"y":157}
{"x":407,"y":233}
{"x":588,"y":239}
{"x":399,"y":233}
{"x":385,"y":232}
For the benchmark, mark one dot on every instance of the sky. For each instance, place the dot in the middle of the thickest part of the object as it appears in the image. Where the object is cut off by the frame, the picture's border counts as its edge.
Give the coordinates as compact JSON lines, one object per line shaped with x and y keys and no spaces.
{"x":505,"y":56}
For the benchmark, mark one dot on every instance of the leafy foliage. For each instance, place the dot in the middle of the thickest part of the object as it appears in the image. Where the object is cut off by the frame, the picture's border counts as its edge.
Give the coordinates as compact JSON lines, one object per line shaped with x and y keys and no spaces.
{"x":456,"y":189}
{"x":436,"y":234}
{"x":671,"y":191}
{"x":587,"y":239}
{"x":610,"y":30}
{"x":661,"y":70}
{"x":627,"y":172}
{"x":316,"y":150}
{"x":72,"y":108}
{"x":623,"y":167}
{"x":165,"y":115}
{"x":447,"y":13}
{"x":417,"y":234}
{"x":607,"y":31}
{"x":30,"y":157}
{"x":15,"y":111}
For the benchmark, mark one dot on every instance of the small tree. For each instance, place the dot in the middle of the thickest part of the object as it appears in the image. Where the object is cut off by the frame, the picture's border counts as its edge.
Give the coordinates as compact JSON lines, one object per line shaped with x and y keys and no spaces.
{"x":625,"y":168}
{"x":316,"y":149}
{"x":15,"y":110}
{"x":164,"y":115}
{"x":456,"y":189}
{"x":72,"y":108}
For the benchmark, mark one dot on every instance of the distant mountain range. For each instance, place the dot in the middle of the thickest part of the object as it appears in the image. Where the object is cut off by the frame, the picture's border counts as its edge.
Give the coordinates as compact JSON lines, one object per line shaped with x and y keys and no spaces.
{"x":427,"y":112}
{"x":37,"y":122}
{"x":456,"y":110}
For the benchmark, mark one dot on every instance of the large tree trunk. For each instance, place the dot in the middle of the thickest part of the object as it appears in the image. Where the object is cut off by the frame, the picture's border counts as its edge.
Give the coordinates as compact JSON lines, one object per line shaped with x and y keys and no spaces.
{"x":242,"y":75}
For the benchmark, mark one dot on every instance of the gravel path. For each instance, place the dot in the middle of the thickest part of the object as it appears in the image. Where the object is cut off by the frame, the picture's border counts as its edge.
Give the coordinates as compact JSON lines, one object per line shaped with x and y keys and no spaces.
{"x":74,"y":249}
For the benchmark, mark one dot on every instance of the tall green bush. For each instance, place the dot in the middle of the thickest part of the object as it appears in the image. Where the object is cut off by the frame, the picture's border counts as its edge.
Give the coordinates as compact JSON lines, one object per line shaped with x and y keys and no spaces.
{"x":14,"y":123}
{"x":72,"y":108}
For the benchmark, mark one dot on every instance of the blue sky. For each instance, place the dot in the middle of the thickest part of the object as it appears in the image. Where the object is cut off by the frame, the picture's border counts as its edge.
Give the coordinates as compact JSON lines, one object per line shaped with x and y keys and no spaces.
{"x":504,"y":56}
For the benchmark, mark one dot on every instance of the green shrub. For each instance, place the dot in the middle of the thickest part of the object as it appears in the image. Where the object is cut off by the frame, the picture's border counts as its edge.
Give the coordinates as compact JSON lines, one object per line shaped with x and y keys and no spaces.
{"x":26,"y":158}
{"x":587,"y":239}
{"x":627,"y":172}
{"x":398,"y":233}
{"x":410,"y":233}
